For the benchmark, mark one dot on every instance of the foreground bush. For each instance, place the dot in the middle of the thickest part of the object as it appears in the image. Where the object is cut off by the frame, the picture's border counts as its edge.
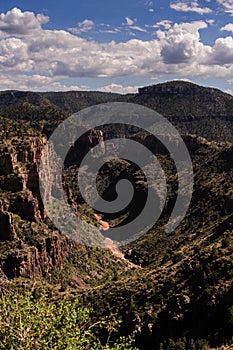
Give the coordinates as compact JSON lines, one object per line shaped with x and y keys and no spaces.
{"x":29,"y":323}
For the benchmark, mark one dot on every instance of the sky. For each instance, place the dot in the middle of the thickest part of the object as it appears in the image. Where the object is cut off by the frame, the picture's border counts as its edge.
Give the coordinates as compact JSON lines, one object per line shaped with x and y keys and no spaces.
{"x":115,"y":46}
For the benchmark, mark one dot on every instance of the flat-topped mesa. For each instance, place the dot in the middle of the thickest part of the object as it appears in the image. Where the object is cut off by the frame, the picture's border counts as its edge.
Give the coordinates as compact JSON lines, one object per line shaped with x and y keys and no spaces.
{"x":173,"y":88}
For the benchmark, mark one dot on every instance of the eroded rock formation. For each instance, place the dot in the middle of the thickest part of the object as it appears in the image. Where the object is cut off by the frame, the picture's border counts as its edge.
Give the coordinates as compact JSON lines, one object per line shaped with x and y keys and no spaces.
{"x":21,"y":199}
{"x":7,"y":231}
{"x":36,"y":261}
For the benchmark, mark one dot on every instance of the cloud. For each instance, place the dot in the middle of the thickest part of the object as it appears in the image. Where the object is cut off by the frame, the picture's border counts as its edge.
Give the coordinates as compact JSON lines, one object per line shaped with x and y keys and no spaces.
{"x":190,"y":6}
{"x":35,"y":82}
{"x":228,"y":27}
{"x":131,"y":24}
{"x":55,"y":55}
{"x":16,"y":22}
{"x":181,"y":43}
{"x":86,"y":25}
{"x":120,"y":89}
{"x":129,"y":21}
{"x":184,"y":79}
{"x":14,"y":55}
{"x":138,"y":28}
{"x":111,"y":31}
{"x":38,"y":82}
{"x":164,"y":23}
{"x":83,"y":27}
{"x":222,"y":52}
{"x":150,"y":5}
{"x":210,"y":21}
{"x":228,"y":5}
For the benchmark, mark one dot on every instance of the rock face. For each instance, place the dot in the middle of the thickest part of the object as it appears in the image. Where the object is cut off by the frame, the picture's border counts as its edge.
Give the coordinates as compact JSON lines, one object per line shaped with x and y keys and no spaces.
{"x":21,"y":208}
{"x":27,"y":207}
{"x":83,"y":145}
{"x":19,"y":166}
{"x":36,"y":261}
{"x":7,"y":231}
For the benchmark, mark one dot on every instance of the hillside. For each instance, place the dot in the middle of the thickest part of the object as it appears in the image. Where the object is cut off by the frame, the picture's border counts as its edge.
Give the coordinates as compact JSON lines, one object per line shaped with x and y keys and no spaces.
{"x":193,"y":109}
{"x":185,"y":274}
{"x":174,"y":289}
{"x":44,"y":111}
{"x":189,"y":100}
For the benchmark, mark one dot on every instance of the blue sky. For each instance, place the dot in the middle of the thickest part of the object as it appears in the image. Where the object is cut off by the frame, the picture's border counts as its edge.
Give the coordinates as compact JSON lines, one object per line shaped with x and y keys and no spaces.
{"x":116,"y":46}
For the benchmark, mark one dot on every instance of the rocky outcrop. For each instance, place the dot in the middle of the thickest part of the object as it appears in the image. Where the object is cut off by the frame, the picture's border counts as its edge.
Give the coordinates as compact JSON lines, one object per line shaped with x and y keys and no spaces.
{"x":27,"y":207}
{"x":12,"y":183}
{"x":37,"y":261}
{"x":29,"y":256}
{"x":103,"y":224}
{"x":83,"y":145}
{"x":7,"y":231}
{"x":19,"y":167}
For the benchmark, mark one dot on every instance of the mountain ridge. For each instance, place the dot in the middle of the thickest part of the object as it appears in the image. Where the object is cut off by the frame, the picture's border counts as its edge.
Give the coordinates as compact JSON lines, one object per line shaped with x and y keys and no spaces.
{"x":193,"y":109}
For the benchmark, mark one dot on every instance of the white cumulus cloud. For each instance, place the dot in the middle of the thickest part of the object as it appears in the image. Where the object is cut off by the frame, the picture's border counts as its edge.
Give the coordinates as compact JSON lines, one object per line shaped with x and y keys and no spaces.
{"x":181,"y":43}
{"x":222,"y":52}
{"x":16,"y":22}
{"x":189,"y":6}
{"x":120,"y":89}
{"x":47,"y":57}
{"x":229,"y":91}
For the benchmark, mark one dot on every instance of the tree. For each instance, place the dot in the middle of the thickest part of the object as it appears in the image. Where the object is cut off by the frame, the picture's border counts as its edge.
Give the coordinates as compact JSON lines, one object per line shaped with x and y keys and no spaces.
{"x":27,"y":323}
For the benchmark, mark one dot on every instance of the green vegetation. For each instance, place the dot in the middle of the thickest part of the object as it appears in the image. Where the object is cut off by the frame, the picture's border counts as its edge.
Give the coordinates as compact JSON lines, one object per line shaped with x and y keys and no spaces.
{"x":58,"y":294}
{"x":191,"y":108}
{"x":37,"y":322}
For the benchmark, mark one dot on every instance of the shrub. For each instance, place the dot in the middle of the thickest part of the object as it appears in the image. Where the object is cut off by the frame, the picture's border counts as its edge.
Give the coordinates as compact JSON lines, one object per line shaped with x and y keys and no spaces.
{"x":27,"y":322}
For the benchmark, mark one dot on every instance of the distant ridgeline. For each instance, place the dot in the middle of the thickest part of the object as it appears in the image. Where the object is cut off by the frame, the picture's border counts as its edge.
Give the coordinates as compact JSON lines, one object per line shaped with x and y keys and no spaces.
{"x":193,"y":109}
